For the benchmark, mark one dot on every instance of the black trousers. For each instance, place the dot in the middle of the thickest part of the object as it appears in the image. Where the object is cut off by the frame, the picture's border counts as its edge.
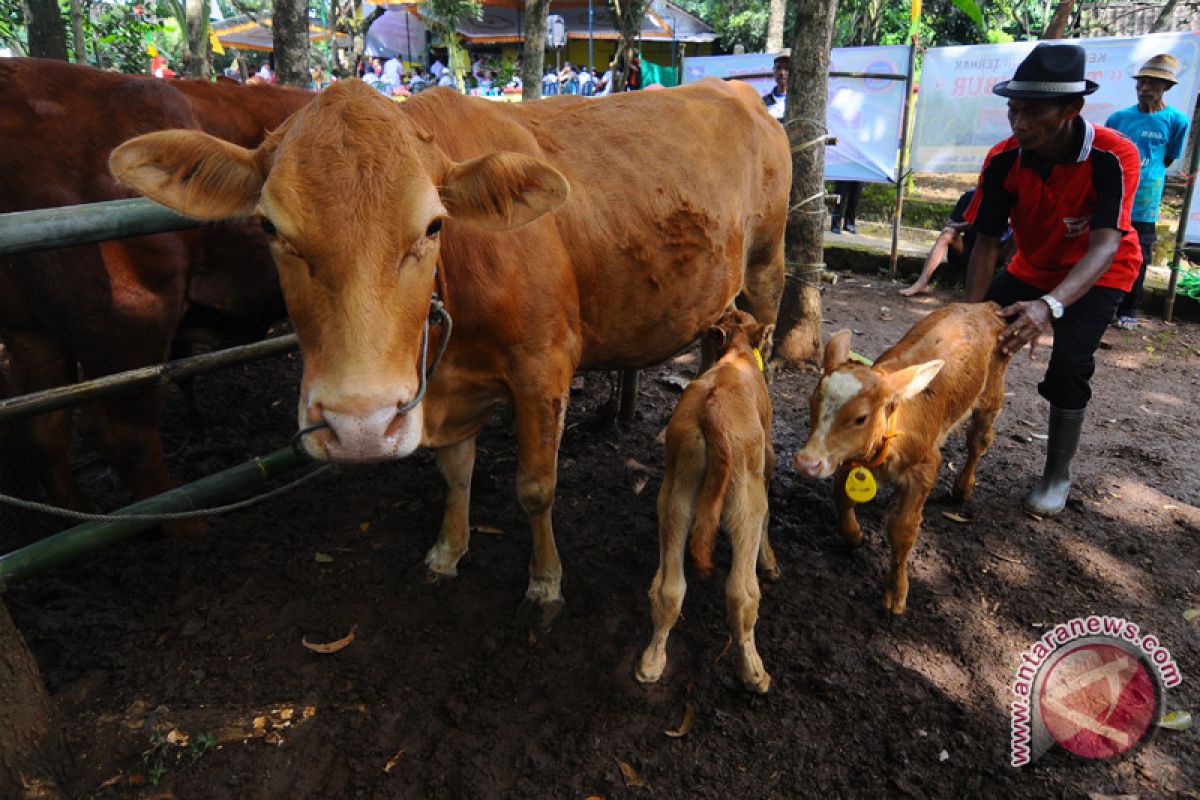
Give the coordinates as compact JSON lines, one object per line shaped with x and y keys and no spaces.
{"x":1147,"y":236}
{"x":1067,"y":383}
{"x":847,"y":210}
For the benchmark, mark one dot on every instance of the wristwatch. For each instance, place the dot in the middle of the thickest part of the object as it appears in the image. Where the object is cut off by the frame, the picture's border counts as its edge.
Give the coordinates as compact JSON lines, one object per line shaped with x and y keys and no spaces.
{"x":1056,"y":308}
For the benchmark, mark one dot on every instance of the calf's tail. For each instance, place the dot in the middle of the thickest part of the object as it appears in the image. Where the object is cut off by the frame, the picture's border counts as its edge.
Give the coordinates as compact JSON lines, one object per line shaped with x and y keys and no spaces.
{"x":717,"y":475}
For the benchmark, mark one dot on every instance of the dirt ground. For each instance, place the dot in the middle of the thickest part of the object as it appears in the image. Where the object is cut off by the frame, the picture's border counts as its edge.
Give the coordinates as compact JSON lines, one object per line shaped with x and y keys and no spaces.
{"x":178,"y":668}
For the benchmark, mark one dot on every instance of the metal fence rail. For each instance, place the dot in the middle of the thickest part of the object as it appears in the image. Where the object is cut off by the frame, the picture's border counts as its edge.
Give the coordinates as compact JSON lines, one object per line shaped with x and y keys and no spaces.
{"x":47,"y":228}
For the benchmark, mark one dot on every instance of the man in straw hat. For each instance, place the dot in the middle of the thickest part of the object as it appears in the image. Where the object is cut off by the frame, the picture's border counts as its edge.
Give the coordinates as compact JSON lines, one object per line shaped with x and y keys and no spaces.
{"x":1160,"y":133}
{"x":1068,"y":188}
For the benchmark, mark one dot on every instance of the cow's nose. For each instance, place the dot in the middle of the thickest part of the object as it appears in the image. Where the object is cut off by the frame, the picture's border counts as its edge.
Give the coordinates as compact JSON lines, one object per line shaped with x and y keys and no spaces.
{"x":365,"y":435}
{"x":807,"y":464}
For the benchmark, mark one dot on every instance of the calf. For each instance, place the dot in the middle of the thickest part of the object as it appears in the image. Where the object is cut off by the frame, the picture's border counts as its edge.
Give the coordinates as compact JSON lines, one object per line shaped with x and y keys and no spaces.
{"x":894,"y":416}
{"x":719,"y":464}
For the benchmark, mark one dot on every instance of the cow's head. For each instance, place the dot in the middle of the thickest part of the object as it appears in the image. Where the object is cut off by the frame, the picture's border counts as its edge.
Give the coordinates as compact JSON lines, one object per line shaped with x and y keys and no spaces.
{"x":737,"y":329}
{"x":353,"y":195}
{"x":850,"y":406}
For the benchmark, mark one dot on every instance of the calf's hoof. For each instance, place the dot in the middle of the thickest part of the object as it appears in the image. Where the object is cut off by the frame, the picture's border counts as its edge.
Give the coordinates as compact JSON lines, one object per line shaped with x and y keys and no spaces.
{"x":760,"y":683}
{"x":894,"y":603}
{"x":540,"y":614}
{"x":770,"y":574}
{"x":853,"y":538}
{"x":651,"y":667}
{"x":962,"y":494}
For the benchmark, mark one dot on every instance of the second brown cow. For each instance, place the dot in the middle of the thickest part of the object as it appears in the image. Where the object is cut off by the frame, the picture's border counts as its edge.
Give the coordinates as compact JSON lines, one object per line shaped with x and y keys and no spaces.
{"x":894,"y":416}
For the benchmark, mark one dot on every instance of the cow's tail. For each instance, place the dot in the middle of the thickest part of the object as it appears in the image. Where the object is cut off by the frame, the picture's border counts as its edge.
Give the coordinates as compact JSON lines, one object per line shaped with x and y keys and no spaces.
{"x":717,"y":474}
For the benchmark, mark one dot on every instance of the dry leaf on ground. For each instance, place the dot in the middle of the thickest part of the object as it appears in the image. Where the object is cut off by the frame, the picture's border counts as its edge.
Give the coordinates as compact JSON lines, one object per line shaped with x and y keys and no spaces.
{"x":632,"y":776}
{"x":689,"y":719}
{"x":330,"y":647}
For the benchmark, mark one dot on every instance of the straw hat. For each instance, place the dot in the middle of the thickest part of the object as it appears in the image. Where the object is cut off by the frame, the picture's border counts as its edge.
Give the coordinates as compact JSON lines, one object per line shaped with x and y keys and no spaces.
{"x":1162,"y":66}
{"x":784,"y":55}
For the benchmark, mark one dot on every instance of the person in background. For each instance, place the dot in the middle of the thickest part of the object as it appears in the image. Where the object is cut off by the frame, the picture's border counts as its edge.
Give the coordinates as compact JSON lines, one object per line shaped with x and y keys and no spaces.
{"x":549,"y":82}
{"x":1067,"y":187}
{"x":265,"y":72}
{"x":776,"y":99}
{"x":587,"y":84}
{"x":1160,"y":133}
{"x":568,"y":82}
{"x":633,"y":78}
{"x":393,"y":75}
{"x":446,"y":79}
{"x":954,"y":243}
{"x":844,"y":217}
{"x":437,"y":68}
{"x":604,"y":83}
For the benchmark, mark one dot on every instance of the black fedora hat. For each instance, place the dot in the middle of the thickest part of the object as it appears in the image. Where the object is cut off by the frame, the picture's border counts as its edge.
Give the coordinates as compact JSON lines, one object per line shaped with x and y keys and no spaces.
{"x":1051,"y":70}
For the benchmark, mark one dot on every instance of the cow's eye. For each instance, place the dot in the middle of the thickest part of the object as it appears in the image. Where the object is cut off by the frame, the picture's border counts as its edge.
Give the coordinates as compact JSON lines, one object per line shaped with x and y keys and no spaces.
{"x":434,"y":228}
{"x":267,"y":226}
{"x":861,"y":420}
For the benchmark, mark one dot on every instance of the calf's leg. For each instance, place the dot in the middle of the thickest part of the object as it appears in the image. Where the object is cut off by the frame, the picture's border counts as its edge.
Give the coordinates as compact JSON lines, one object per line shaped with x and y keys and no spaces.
{"x":766,"y":555}
{"x":745,"y":518}
{"x":457,"y":463}
{"x":903,"y":525}
{"x":676,"y":509}
{"x":847,"y":521}
{"x":981,"y":431}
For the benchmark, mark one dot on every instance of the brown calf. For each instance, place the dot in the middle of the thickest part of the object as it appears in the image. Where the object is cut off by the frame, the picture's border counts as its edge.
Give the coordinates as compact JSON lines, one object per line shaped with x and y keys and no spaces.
{"x":719,"y":464}
{"x":894,"y":416}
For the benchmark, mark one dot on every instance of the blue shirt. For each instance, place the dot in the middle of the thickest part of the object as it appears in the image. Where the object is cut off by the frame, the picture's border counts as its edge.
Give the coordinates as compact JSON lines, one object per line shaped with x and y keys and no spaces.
{"x":1160,"y":137}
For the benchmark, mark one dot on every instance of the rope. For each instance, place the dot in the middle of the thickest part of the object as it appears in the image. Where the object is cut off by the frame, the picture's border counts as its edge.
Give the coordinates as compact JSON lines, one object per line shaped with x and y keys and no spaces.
{"x":795,"y":209}
{"x":799,"y":272}
{"x":83,"y":516}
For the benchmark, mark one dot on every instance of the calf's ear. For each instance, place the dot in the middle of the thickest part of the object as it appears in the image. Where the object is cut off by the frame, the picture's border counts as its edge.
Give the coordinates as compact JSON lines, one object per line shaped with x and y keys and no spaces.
{"x":503,"y":191}
{"x":911,"y":381}
{"x":837,"y":350}
{"x":191,"y":172}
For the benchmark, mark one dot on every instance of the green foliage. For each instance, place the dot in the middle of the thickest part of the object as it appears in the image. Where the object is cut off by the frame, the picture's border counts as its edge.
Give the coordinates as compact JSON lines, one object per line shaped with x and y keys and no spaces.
{"x":741,"y":22}
{"x":12,"y":26}
{"x":172,"y":750}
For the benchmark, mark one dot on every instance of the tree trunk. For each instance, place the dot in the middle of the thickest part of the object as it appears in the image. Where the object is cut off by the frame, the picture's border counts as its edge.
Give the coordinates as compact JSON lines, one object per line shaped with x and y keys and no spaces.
{"x":1163,"y":21}
{"x":533,"y":60}
{"x":28,"y":742}
{"x":798,"y":335}
{"x":47,"y":34}
{"x":1058,"y":23}
{"x":775,"y":16}
{"x":195,"y":46}
{"x":289,"y":34}
{"x":629,"y":25}
{"x":80,"y":40}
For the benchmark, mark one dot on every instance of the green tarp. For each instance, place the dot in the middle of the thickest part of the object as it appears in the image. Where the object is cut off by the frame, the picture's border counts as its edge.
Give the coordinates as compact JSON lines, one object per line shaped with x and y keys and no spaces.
{"x":653,"y":73}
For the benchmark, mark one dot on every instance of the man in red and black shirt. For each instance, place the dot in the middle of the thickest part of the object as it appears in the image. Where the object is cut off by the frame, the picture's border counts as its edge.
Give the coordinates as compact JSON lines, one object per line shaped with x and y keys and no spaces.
{"x":1067,"y":186}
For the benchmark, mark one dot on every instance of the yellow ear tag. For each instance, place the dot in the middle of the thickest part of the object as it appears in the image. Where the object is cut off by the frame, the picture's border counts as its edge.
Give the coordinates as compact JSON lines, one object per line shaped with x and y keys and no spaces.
{"x":758,"y":358}
{"x":860,"y":485}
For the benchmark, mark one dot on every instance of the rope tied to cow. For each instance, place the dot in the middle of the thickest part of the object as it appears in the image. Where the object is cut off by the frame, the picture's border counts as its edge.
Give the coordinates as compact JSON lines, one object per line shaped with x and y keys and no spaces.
{"x":83,"y":516}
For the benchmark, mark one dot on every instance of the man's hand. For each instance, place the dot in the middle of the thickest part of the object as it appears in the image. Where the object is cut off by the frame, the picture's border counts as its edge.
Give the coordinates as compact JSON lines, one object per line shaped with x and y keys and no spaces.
{"x":1029,"y":320}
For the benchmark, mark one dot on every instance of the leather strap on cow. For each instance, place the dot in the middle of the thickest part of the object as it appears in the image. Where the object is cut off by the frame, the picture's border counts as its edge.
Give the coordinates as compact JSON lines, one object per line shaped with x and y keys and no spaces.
{"x":882,"y":452}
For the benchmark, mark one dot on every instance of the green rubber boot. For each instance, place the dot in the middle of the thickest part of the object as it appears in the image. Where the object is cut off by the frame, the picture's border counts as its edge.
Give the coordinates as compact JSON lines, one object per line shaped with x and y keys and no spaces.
{"x":1049,"y":497}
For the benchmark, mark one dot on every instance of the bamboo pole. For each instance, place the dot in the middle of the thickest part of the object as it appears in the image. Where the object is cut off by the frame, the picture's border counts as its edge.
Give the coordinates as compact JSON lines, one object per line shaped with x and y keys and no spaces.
{"x":902,"y":168}
{"x":46,"y":228}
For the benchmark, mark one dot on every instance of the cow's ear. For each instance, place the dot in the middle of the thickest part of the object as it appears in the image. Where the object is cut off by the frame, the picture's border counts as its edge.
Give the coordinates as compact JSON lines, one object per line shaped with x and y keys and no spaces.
{"x":191,"y":172}
{"x":911,"y":381}
{"x":717,"y":337}
{"x":837,"y":350}
{"x":764,"y":339}
{"x":503,"y":191}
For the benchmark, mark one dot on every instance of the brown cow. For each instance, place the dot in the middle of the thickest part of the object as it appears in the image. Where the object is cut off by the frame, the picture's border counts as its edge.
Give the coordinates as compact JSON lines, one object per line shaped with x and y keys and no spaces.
{"x":116,"y":306}
{"x":894,"y":416}
{"x":666,"y":205}
{"x":719,"y":466}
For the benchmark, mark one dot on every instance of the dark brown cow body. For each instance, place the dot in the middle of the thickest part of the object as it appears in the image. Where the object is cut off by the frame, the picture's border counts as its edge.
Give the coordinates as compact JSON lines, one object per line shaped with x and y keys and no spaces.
{"x":665,"y":205}
{"x":104,"y":308}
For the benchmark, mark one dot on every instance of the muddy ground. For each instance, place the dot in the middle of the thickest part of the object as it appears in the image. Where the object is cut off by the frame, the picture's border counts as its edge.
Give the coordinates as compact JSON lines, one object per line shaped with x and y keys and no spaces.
{"x":445,"y":694}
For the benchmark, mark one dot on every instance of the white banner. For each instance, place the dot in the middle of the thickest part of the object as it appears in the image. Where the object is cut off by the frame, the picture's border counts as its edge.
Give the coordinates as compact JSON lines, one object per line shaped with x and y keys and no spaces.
{"x":863,"y":113}
{"x":959,"y":119}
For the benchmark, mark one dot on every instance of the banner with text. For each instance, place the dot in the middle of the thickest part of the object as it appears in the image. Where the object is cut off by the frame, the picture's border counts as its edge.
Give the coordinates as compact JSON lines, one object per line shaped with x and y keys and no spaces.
{"x":863,"y":113}
{"x":1192,"y":232}
{"x":958,"y":118}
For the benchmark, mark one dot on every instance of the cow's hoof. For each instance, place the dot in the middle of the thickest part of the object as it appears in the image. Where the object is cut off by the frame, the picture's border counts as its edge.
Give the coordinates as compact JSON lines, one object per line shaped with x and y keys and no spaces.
{"x":651,"y":667}
{"x":540,"y":615}
{"x":961,"y":495}
{"x":431,"y":577}
{"x":759,"y":683}
{"x":853,"y":538}
{"x":770,"y":574}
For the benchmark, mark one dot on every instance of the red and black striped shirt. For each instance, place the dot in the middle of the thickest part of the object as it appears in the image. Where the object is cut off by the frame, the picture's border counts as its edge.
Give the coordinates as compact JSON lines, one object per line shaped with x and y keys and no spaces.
{"x":1054,"y":206}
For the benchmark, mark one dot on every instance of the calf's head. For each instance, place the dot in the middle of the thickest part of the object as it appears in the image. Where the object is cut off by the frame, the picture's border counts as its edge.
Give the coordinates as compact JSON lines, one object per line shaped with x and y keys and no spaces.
{"x":850,"y":406}
{"x":739,"y":330}
{"x":354,"y":196}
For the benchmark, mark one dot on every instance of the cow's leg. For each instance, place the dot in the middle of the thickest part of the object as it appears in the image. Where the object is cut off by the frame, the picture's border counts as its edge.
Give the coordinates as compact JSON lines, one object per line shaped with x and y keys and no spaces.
{"x":675,"y":512}
{"x":457,"y":463}
{"x":980,"y":432}
{"x":903,"y":525}
{"x":766,"y":555}
{"x":762,"y":288}
{"x":540,"y":417}
{"x":847,"y":521}
{"x":746,"y":519}
{"x":41,"y":442}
